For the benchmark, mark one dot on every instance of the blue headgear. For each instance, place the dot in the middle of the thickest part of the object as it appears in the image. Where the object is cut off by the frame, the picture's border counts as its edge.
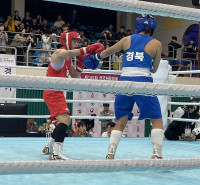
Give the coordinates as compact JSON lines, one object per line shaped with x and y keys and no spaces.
{"x":145,"y":21}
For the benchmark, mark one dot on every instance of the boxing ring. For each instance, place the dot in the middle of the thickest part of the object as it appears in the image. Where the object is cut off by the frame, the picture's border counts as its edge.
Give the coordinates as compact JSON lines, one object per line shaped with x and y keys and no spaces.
{"x":129,"y":88}
{"x":23,"y":156}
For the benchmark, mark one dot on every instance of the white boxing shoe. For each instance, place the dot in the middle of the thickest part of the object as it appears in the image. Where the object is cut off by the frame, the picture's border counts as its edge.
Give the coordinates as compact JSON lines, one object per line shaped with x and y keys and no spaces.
{"x":48,"y":149}
{"x":56,"y":154}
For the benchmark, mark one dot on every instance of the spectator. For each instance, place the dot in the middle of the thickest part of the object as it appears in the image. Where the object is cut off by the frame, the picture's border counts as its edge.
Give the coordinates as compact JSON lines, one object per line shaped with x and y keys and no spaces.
{"x":110,"y":29}
{"x":83,"y":41}
{"x":182,"y":130}
{"x":128,"y":32}
{"x":34,"y":26}
{"x":74,"y":126}
{"x":172,"y":53}
{"x":121,"y":34}
{"x":90,"y":125}
{"x":20,"y":41}
{"x":27,"y":20}
{"x":39,"y":19}
{"x":32,"y":125}
{"x":58,"y":24}
{"x":44,"y":26}
{"x":3,"y":39}
{"x":47,"y":39}
{"x":189,"y":52}
{"x":17,"y":18}
{"x":73,"y":19}
{"x":109,"y":41}
{"x":10,"y":24}
{"x":105,"y":112}
{"x":110,"y":126}
{"x":21,"y":27}
{"x":65,"y":27}
{"x":81,"y":130}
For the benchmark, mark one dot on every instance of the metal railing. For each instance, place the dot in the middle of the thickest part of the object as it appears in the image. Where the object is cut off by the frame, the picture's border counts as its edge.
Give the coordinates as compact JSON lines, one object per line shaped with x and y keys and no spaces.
{"x":10,"y":47}
{"x":32,"y":49}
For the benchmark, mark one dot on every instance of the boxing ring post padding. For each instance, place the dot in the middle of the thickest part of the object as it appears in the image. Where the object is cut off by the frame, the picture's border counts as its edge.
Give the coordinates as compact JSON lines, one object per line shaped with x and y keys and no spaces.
{"x":162,"y":76}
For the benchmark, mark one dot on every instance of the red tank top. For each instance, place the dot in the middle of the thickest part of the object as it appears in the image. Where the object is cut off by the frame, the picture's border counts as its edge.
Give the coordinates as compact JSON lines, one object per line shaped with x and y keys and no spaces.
{"x":64,"y":72}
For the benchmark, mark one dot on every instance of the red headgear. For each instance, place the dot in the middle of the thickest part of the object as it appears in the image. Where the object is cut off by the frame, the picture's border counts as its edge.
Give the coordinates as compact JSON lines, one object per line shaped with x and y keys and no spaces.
{"x":66,"y":38}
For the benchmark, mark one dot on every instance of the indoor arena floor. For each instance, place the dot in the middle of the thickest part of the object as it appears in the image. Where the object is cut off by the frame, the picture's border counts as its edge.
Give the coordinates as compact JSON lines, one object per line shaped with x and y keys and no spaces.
{"x":30,"y":149}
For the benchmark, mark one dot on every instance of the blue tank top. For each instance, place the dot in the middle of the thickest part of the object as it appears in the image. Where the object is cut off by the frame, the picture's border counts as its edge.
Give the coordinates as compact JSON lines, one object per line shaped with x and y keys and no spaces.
{"x":135,"y":56}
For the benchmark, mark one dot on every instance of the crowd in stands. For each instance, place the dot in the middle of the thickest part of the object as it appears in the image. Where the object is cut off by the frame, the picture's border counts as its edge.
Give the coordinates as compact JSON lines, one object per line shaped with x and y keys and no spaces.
{"x":38,"y":32}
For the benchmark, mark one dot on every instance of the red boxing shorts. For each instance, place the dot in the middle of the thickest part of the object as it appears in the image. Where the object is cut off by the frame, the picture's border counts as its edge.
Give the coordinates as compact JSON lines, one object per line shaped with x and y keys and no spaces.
{"x":56,"y":103}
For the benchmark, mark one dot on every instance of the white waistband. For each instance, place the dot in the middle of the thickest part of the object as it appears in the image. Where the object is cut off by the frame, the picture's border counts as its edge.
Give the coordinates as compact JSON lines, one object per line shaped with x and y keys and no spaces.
{"x":135,"y":71}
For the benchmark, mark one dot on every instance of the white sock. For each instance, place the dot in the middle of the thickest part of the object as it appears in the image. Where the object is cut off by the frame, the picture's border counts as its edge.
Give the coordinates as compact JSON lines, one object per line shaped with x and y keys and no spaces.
{"x":114,"y":141}
{"x":51,"y":141}
{"x":157,"y":136}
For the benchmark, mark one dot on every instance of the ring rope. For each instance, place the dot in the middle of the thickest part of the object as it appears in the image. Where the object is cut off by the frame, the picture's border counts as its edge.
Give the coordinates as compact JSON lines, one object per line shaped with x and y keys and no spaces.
{"x":84,"y":101}
{"x":70,"y":166}
{"x":183,"y":103}
{"x":24,"y":67}
{"x":184,"y":72}
{"x":103,"y":86}
{"x":72,"y":117}
{"x":90,"y":117}
{"x":140,"y":7}
{"x":98,"y":71}
{"x":42,"y":100}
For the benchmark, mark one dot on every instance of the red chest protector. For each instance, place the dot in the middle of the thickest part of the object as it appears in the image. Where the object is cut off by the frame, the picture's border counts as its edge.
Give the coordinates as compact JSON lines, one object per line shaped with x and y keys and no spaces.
{"x":64,"y":72}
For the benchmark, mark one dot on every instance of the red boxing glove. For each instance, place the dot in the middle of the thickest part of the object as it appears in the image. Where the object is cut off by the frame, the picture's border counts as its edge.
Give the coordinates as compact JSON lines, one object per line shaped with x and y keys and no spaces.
{"x":80,"y":66}
{"x":92,"y":49}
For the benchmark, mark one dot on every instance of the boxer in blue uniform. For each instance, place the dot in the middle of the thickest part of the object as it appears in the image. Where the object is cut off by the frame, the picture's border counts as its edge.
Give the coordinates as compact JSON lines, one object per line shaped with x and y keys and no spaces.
{"x":142,"y":55}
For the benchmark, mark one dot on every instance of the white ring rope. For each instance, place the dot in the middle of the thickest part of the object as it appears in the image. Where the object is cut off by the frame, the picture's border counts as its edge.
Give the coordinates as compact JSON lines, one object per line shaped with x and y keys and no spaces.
{"x":83,"y":101}
{"x":90,"y":117}
{"x":184,"y":72}
{"x":103,"y":86}
{"x":183,"y":103}
{"x":42,"y":100}
{"x":78,"y":166}
{"x":71,"y":166}
{"x":47,"y":116}
{"x":98,"y":71}
{"x":140,"y":7}
{"x":183,"y":119}
{"x":24,"y":67}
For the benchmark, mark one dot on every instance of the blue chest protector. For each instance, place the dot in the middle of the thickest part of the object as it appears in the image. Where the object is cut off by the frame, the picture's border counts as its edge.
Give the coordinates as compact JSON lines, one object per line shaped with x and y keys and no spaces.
{"x":135,"y":56}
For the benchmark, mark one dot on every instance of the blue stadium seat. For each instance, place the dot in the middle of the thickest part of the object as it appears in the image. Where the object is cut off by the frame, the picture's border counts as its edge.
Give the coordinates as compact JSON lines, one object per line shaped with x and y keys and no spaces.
{"x":98,"y":35}
{"x":50,"y":24}
{"x":90,"y":28}
{"x":94,"y":41}
{"x":82,"y":27}
{"x":1,"y":19}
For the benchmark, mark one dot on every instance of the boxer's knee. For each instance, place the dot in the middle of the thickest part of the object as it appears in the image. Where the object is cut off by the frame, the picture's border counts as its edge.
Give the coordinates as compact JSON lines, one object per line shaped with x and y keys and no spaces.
{"x":64,"y":118}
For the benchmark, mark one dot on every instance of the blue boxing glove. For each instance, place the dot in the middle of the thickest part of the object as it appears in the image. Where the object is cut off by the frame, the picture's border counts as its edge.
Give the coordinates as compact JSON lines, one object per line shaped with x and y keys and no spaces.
{"x":92,"y":61}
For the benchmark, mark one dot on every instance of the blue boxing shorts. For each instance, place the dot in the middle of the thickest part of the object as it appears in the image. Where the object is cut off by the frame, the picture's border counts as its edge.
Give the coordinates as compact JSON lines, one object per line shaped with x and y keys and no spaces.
{"x":173,"y":62}
{"x":149,"y":106}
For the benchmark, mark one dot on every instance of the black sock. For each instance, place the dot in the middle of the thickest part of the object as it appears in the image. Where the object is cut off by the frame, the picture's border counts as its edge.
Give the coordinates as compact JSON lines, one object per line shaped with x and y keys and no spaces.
{"x":60,"y":132}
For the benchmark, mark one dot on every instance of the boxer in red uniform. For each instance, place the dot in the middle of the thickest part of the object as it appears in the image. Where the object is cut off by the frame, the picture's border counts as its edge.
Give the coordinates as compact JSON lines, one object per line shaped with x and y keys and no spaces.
{"x":61,"y":66}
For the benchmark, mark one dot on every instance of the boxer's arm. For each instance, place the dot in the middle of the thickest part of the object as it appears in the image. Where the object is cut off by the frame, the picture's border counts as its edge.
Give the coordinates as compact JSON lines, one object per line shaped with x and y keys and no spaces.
{"x":157,"y":58}
{"x":113,"y":49}
{"x":73,"y":72}
{"x":60,"y":54}
{"x":92,"y":61}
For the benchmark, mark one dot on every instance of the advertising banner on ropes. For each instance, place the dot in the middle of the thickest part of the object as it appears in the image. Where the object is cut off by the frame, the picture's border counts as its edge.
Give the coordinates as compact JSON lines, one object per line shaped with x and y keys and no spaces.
{"x":7,"y":61}
{"x":134,"y":128}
